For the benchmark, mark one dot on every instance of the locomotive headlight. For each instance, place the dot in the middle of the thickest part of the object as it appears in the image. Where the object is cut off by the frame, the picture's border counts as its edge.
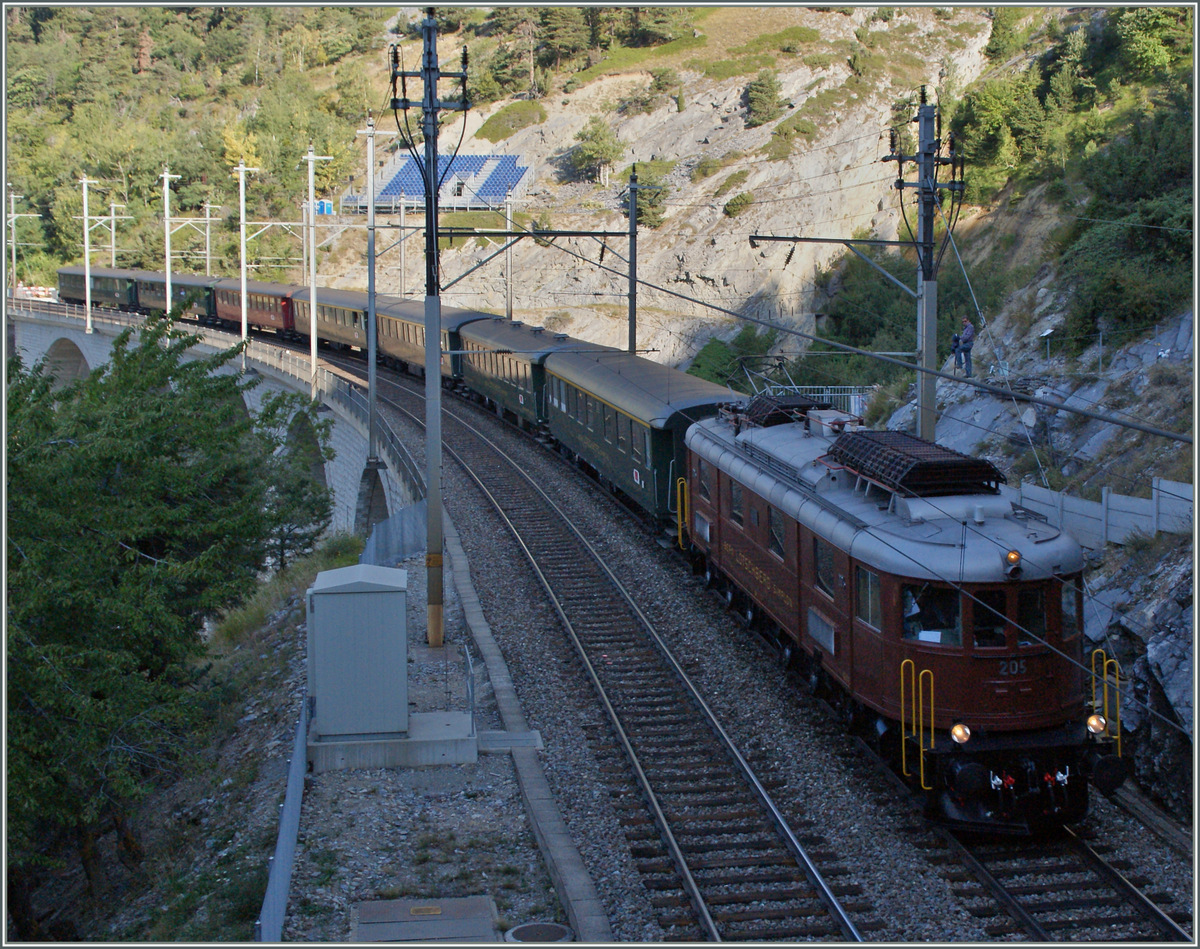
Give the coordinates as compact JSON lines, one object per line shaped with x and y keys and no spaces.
{"x":1012,"y":564}
{"x":1097,"y":724}
{"x":960,"y":733}
{"x":1012,"y":558}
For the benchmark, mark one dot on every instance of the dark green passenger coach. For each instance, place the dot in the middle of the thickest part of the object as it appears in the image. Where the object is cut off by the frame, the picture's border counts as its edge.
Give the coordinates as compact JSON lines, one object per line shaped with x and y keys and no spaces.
{"x":115,"y":288}
{"x":627,"y":416}
{"x":504,"y":362}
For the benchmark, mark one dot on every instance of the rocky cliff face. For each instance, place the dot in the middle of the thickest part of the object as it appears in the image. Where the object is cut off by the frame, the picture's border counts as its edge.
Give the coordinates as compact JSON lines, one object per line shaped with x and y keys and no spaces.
{"x":834,"y":187}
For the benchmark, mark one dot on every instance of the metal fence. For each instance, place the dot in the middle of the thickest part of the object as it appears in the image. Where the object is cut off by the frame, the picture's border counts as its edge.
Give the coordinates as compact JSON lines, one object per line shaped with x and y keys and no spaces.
{"x":269,"y":925}
{"x":852,"y":399}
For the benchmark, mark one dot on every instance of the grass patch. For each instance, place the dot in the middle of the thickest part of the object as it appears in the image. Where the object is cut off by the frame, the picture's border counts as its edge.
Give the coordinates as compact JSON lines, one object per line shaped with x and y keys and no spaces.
{"x":733,"y":181}
{"x":729,"y":68}
{"x":624,"y":58}
{"x":511,"y":119}
{"x":785,"y":41}
{"x":785,"y":134}
{"x":236,"y":624}
{"x":707,"y":167}
{"x":819,"y":60}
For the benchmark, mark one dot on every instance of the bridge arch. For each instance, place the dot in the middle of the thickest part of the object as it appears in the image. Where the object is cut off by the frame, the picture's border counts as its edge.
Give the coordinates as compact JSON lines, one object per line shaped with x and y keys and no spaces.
{"x":372,"y":502}
{"x":65,"y":362}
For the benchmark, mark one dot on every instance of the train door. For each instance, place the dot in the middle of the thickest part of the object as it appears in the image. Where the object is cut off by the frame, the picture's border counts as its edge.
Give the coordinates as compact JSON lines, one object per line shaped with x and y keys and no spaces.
{"x":867,"y":676}
{"x":826,"y":619}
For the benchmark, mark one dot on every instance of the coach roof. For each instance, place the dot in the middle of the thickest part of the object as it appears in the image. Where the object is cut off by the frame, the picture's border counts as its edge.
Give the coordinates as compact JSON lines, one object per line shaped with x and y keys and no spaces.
{"x":530,"y":344}
{"x":644,"y":389}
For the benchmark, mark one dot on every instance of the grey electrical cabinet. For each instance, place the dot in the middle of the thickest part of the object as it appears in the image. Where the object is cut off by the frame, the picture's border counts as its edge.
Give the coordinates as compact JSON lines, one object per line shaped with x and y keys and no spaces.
{"x":358,"y":653}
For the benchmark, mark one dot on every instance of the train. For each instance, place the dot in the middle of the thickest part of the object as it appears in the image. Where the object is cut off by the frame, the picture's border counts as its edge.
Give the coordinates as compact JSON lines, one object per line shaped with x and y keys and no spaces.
{"x":944,"y":622}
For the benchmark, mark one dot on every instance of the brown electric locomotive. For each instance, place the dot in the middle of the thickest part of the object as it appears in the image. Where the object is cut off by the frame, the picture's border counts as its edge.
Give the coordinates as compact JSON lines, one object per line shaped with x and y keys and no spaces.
{"x":944,"y":620}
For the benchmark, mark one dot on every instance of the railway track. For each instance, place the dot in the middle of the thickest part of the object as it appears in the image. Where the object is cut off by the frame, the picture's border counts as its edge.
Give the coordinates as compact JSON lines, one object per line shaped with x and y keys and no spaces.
{"x":1058,"y":888}
{"x":717,"y":856}
{"x":1062,"y":889}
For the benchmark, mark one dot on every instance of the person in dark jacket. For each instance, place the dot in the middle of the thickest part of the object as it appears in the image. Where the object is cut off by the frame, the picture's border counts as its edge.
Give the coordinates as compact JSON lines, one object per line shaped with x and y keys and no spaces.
{"x":966,"y":340}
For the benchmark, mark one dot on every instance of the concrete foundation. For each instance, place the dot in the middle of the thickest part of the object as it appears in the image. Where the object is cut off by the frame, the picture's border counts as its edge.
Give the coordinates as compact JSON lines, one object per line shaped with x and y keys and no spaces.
{"x":433,"y":738}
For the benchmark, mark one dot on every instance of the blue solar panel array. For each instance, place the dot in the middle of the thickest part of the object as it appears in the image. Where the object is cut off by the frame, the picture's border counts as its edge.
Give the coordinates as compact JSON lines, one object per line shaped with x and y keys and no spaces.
{"x":486,"y":179}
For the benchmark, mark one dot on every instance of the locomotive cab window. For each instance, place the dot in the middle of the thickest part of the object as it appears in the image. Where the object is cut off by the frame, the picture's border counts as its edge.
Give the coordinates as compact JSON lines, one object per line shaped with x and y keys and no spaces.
{"x":931,"y":614}
{"x":988,"y":624}
{"x":1031,"y":617}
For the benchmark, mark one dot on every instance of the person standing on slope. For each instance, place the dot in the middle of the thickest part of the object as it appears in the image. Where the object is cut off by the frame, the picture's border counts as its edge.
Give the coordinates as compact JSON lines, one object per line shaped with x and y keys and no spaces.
{"x":966,"y":340}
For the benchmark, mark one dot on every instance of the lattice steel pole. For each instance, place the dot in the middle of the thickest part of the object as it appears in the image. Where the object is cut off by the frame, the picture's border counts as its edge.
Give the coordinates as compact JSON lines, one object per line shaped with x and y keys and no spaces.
{"x":430,"y":105}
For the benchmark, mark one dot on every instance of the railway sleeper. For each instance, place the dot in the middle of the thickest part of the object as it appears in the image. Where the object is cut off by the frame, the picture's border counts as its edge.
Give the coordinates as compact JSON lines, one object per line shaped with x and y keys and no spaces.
{"x":695,"y":844}
{"x":810,"y":908}
{"x":1069,"y":903}
{"x":732,"y":815}
{"x":736,"y":822}
{"x":791,"y":895}
{"x":786,"y":876}
{"x":1097,"y":922}
{"x":710,"y":862}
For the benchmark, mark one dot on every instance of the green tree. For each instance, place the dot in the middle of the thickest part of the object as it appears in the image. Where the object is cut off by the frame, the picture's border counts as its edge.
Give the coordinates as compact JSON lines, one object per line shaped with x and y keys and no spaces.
{"x":295,"y":439}
{"x":1005,"y":40}
{"x":136,"y":507}
{"x":598,"y":148}
{"x":564,"y":34}
{"x":1153,"y":38}
{"x":653,"y":26}
{"x":762,"y":99}
{"x":651,"y":199}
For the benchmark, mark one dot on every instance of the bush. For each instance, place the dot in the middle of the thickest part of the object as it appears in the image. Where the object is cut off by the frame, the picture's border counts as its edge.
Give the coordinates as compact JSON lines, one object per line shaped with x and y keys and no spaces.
{"x":736,"y":205}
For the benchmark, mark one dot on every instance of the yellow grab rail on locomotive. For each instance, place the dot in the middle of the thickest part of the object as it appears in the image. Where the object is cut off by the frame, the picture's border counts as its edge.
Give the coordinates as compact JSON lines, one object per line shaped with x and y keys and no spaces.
{"x":681,"y":499}
{"x":1112,"y":720}
{"x":920,"y":722}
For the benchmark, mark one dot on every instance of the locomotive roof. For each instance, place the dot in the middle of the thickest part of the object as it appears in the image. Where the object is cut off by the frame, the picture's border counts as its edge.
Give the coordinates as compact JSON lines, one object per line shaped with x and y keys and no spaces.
{"x":531,"y":344}
{"x":949,"y":537}
{"x":650,"y":392}
{"x":912,"y":465}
